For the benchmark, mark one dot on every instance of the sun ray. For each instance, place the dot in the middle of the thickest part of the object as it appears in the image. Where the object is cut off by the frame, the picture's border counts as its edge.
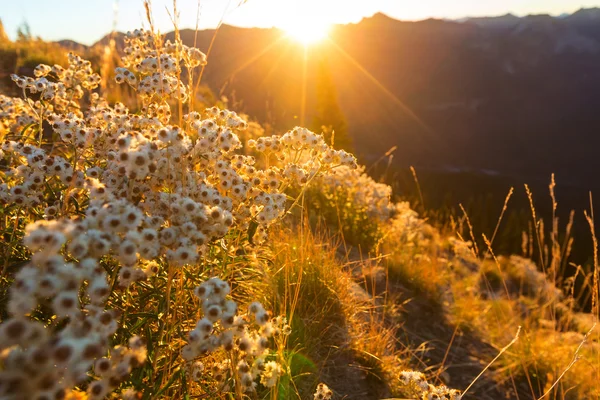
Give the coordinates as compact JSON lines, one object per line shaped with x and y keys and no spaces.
{"x":304,"y":87}
{"x":256,"y":57}
{"x":275,"y":64}
{"x":385,"y":90}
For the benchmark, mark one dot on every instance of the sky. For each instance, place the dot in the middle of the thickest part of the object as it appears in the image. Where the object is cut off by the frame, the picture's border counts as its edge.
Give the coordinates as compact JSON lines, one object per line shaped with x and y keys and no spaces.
{"x":86,"y":21}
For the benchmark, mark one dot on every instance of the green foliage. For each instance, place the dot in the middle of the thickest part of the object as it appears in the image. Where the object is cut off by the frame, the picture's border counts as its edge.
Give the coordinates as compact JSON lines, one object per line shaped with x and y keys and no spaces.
{"x":340,"y":213}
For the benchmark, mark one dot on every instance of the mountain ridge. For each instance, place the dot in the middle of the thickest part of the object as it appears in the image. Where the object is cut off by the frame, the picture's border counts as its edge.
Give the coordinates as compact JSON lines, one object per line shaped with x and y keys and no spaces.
{"x":583,"y":13}
{"x":478,"y":95}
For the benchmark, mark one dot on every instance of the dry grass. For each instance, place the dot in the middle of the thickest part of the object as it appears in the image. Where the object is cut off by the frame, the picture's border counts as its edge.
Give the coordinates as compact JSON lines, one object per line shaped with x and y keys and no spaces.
{"x":339,"y":330}
{"x":420,"y":299}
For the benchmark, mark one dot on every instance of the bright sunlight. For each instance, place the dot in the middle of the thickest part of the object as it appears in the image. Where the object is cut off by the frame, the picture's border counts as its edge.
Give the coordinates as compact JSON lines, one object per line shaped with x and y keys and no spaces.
{"x":307,"y":32}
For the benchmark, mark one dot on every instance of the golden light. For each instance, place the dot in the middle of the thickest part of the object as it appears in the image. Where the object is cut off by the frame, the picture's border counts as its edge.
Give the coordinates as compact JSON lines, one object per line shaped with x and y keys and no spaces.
{"x":306,"y":32}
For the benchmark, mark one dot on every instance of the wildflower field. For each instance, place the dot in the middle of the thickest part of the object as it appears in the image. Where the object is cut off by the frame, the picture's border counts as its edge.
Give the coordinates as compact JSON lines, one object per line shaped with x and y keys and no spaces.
{"x":168,"y":248}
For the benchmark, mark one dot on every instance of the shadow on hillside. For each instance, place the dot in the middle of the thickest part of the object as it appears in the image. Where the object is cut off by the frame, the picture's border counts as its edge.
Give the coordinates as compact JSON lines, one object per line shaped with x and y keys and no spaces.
{"x":455,"y":356}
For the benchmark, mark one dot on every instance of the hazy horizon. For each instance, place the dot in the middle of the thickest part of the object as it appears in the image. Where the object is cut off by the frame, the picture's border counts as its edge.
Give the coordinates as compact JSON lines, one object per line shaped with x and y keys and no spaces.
{"x":54,"y":22}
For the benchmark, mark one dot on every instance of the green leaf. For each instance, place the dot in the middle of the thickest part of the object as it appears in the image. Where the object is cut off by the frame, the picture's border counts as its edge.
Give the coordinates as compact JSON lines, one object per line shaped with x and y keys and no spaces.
{"x":27,"y":127}
{"x":169,"y":383}
{"x":252,"y":230}
{"x":301,"y":367}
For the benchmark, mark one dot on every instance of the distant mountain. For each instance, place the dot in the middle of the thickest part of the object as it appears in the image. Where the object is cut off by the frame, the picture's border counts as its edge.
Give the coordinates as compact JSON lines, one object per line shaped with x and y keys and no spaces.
{"x":586,"y":21}
{"x":513,"y":95}
{"x":77,"y":47}
{"x":501,"y":23}
{"x":72,"y":45}
{"x":585,"y":15}
{"x":116,"y":36}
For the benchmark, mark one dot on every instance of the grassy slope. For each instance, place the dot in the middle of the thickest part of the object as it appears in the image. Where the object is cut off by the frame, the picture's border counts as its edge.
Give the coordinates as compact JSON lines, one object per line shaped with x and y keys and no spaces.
{"x":418,"y":300}
{"x":424,"y":300}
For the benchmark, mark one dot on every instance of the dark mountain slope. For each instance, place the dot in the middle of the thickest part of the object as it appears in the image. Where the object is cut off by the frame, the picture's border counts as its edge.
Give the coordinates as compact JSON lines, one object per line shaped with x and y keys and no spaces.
{"x":518,"y":96}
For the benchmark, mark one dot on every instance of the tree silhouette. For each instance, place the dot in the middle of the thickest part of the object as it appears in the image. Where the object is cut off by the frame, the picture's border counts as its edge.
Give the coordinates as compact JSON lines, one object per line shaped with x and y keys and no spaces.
{"x":329,"y":118}
{"x":3,"y":35}
{"x":24,"y":32}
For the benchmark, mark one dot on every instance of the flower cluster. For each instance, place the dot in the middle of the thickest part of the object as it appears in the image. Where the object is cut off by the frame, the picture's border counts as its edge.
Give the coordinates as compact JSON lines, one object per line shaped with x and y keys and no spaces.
{"x":115,"y":369}
{"x":112,"y":197}
{"x":254,"y":130}
{"x":58,"y":85}
{"x":245,"y":337}
{"x":323,"y":392}
{"x":362,"y":207}
{"x":460,"y":248}
{"x":355,"y":193}
{"x":407,"y":224}
{"x":154,"y":69}
{"x":418,"y":386}
{"x":303,"y":149}
{"x":364,"y":192}
{"x":62,"y":361}
{"x":15,"y":114}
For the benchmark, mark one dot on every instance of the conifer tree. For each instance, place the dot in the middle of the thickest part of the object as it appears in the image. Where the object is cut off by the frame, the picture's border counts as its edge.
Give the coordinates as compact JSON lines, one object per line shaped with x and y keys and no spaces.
{"x":329,"y":118}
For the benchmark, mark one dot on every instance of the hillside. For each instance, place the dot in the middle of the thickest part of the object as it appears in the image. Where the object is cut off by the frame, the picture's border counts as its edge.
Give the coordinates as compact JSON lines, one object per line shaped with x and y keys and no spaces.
{"x":169,"y":250}
{"x":495,"y":94}
{"x":506,"y":94}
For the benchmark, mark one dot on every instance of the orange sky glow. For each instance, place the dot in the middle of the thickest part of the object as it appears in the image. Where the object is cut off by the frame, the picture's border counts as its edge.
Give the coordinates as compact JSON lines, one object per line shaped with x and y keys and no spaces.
{"x":88,"y":21}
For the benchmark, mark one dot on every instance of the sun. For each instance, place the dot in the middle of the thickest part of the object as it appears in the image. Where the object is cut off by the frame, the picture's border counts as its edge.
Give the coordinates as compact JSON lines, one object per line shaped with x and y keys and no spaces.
{"x":307,"y":32}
